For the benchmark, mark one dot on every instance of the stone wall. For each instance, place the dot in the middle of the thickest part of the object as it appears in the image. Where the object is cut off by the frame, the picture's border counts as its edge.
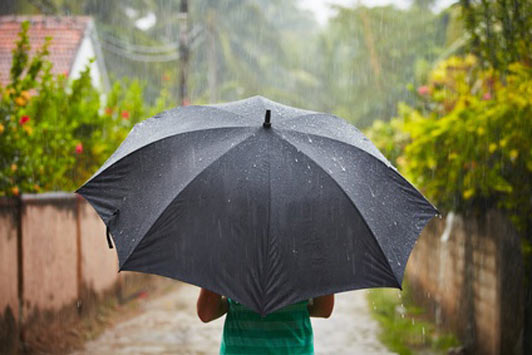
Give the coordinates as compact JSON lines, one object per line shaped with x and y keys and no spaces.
{"x":54,"y":258}
{"x":468,"y":272}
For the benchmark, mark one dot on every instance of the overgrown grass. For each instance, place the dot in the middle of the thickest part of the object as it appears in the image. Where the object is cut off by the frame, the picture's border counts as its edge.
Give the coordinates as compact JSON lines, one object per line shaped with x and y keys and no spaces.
{"x":404,"y":326}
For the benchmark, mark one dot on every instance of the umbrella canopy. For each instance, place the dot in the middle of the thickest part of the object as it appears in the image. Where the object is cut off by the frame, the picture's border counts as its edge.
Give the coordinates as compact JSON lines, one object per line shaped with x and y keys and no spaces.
{"x":265,"y":211}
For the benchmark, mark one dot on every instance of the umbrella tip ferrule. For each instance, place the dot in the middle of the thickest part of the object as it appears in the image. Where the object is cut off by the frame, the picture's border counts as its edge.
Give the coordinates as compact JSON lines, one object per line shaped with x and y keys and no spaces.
{"x":267,"y":123}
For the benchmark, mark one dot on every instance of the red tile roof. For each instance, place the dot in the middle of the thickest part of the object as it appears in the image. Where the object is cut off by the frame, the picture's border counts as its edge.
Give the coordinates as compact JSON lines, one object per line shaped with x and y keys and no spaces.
{"x":66,"y":33}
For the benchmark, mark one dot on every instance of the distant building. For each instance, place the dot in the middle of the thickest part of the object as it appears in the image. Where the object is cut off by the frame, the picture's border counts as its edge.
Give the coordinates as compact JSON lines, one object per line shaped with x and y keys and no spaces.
{"x":74,"y":43}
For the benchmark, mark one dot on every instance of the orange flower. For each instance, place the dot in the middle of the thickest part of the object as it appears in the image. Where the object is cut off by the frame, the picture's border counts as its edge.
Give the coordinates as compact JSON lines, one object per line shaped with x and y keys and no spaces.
{"x":79,"y":148}
{"x":125,"y":115}
{"x":20,"y":101}
{"x":28,"y":129}
{"x":15,"y":191}
{"x":108,"y":111}
{"x":14,"y":167}
{"x":2,"y":128}
{"x":37,"y":187}
{"x":25,"y":94}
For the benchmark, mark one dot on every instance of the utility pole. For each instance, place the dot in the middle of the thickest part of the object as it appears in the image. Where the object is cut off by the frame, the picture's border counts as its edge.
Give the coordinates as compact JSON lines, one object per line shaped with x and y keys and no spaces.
{"x":184,"y":52}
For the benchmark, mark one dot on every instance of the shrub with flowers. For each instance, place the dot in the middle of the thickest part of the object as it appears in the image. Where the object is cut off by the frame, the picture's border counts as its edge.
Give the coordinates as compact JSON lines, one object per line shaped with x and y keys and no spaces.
{"x":468,"y":145}
{"x":54,"y":132}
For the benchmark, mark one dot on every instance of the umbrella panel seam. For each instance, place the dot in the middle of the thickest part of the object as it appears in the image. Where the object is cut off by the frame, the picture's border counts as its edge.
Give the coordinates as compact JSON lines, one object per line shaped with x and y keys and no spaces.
{"x":175,"y":197}
{"x":99,"y":172}
{"x":389,"y":165}
{"x":351,"y":201}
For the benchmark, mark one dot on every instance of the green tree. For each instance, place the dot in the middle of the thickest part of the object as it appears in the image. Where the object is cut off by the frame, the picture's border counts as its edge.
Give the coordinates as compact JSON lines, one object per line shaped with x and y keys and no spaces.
{"x":370,"y":56}
{"x":500,"y":31}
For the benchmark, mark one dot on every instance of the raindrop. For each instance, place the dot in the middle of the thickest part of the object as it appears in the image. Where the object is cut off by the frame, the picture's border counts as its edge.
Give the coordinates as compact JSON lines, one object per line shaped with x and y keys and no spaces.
{"x":343,"y":168}
{"x":296,"y":160}
{"x":229,"y":200}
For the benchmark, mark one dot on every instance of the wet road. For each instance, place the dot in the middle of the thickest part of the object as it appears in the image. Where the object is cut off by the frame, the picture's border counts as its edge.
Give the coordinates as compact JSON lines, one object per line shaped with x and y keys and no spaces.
{"x":169,"y":325}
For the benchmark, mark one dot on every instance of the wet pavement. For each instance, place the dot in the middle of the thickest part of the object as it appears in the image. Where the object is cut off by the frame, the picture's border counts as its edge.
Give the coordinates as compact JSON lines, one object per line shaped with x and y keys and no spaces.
{"x":169,"y":325}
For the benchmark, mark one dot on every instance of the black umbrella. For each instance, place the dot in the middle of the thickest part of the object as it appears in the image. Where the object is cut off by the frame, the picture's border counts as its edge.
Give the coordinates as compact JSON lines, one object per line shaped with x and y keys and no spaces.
{"x":265,"y":212}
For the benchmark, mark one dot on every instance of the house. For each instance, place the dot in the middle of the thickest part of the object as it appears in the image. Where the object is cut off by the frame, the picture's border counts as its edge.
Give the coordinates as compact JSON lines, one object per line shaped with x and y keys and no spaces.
{"x":74,"y":43}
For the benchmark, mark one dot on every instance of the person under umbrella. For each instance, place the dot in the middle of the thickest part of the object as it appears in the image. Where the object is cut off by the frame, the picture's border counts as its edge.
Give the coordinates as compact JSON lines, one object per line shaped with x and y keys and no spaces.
{"x":266,"y":204}
{"x":286,"y":331}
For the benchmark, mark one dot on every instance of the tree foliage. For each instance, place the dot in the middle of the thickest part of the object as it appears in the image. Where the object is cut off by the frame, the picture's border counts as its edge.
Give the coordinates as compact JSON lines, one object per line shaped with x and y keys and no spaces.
{"x":500,"y":31}
{"x":467,"y":143}
{"x":370,"y":56}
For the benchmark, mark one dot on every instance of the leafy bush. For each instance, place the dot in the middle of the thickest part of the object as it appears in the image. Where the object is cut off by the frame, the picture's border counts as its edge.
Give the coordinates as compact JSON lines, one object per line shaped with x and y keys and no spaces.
{"x":468,"y":145}
{"x":55,"y":132}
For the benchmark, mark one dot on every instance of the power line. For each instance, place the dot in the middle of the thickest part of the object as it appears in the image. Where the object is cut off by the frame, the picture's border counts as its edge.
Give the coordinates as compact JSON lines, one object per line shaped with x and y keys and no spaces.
{"x":168,"y":57}
{"x":174,"y":46}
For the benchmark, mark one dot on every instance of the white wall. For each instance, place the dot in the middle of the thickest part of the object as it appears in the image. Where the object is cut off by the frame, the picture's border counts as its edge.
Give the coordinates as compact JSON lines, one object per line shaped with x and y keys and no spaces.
{"x":85,"y":53}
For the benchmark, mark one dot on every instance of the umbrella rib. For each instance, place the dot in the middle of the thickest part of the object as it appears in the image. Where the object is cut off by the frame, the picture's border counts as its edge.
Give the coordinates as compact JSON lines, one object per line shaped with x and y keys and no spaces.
{"x":102,"y":169}
{"x":174,"y":198}
{"x":389,"y":165}
{"x":351,"y":201}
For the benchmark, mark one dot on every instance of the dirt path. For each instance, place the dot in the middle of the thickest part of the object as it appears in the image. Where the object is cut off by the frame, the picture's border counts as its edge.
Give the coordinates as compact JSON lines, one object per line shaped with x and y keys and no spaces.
{"x":169,"y":325}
